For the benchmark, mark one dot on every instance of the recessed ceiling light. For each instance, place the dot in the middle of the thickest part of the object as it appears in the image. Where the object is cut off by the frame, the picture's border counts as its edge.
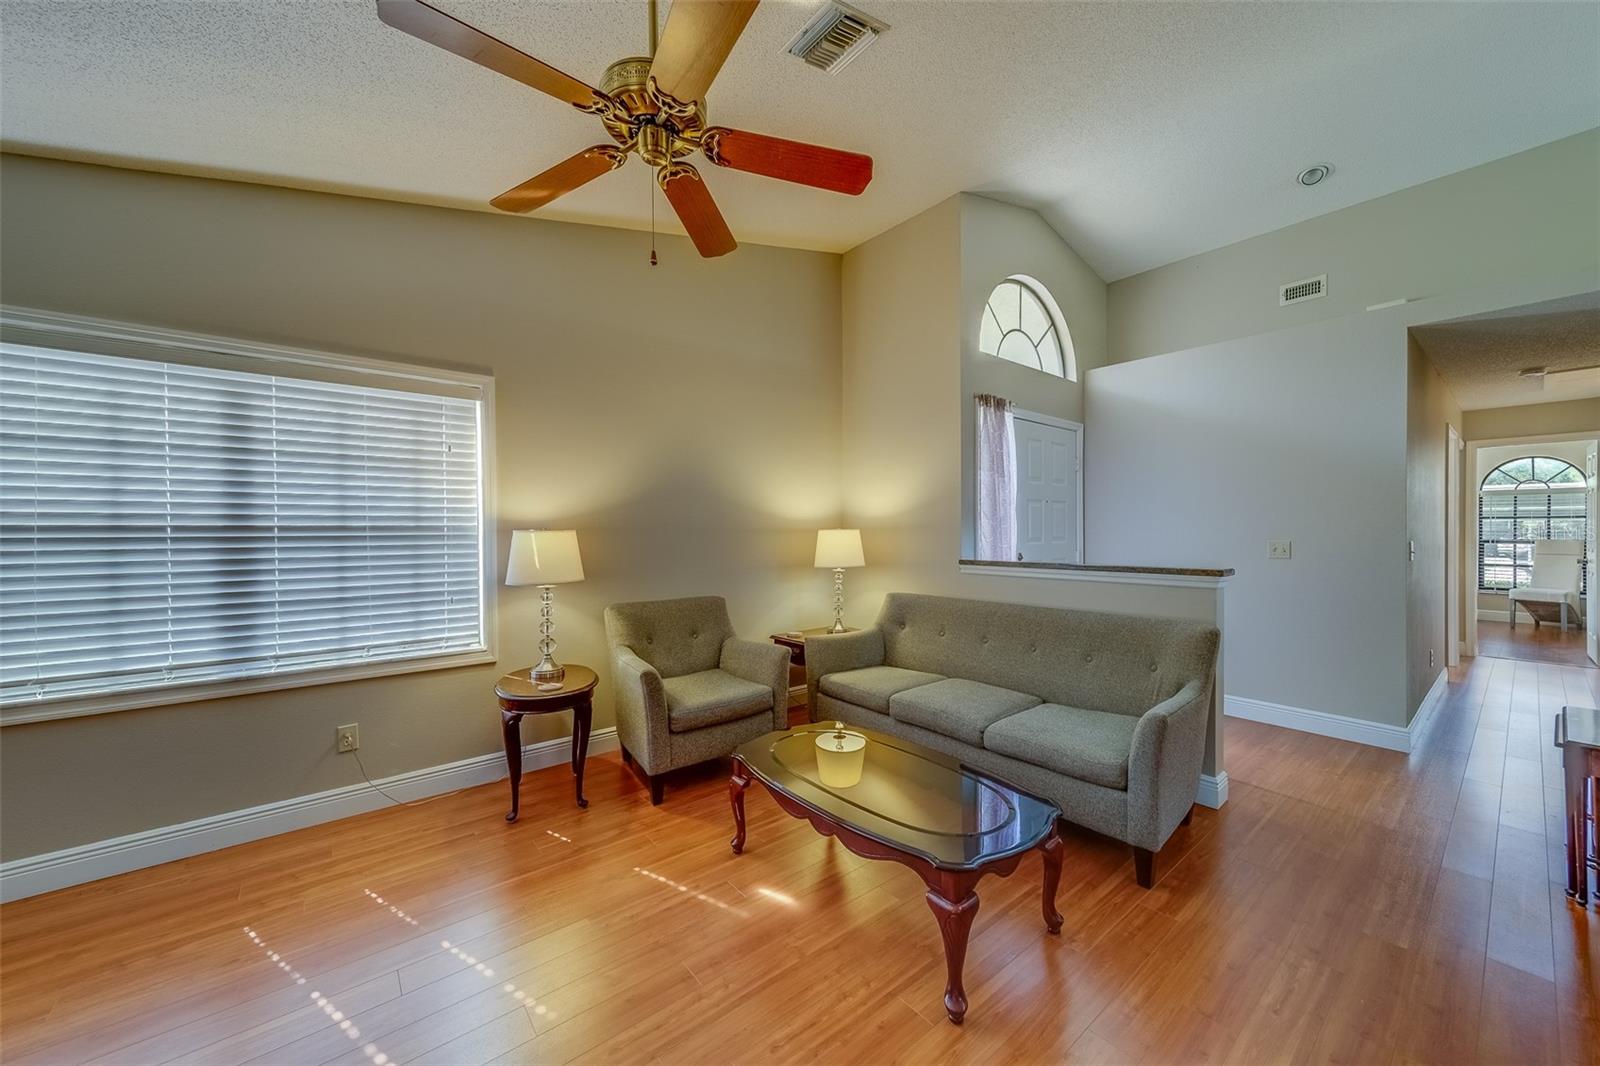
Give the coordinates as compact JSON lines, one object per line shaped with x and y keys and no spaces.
{"x":1314,"y":173}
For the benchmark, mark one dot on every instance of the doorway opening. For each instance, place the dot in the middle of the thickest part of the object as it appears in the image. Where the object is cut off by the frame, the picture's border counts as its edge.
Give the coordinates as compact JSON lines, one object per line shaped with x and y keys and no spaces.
{"x":1533,"y":527}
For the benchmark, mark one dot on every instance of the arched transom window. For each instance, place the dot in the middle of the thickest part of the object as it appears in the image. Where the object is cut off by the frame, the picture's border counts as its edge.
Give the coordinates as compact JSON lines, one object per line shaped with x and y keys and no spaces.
{"x":1022,"y":324}
{"x":1524,"y":501}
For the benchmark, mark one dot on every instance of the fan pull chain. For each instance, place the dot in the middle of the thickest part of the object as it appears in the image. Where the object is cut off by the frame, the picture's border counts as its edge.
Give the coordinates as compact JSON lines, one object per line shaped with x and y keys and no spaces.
{"x":652,"y":223}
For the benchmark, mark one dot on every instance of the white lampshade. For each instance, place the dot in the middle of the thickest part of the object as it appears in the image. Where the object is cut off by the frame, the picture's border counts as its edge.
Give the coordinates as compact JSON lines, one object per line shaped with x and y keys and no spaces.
{"x":544,"y":557}
{"x":839,"y":549}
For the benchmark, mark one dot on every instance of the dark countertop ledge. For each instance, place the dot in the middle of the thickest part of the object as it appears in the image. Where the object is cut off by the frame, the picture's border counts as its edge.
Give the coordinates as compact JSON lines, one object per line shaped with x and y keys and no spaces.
{"x":1170,"y":571}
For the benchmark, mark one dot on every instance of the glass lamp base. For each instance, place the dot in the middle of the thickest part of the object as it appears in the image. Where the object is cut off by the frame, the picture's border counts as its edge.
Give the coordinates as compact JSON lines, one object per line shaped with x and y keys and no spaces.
{"x":548,"y":670}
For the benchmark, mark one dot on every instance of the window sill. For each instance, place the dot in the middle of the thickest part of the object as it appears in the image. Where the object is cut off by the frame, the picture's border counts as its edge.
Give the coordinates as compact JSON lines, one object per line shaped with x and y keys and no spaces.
{"x":85,"y":706}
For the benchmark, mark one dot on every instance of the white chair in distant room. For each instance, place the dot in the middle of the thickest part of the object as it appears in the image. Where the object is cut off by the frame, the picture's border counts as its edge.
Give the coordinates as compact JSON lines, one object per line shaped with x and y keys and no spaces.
{"x":1553,"y":594}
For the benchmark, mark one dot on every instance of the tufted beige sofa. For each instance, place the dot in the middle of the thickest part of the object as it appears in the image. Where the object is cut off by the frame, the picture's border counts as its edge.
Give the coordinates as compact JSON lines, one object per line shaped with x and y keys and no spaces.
{"x":1102,"y":714}
{"x":688,"y":689}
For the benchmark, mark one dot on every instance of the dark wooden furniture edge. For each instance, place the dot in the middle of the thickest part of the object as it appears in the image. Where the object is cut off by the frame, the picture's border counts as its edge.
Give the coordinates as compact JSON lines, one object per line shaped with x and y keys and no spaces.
{"x":513,"y":709}
{"x":952,"y":893}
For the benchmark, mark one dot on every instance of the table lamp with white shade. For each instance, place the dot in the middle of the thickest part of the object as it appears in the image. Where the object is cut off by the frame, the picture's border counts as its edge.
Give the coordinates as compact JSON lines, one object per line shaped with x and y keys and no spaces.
{"x":545,"y":558}
{"x":838,"y":550}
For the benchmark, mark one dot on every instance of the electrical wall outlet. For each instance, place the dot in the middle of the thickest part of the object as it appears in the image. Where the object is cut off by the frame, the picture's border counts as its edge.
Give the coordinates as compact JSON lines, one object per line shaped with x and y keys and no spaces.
{"x":1279,"y":549}
{"x":347,"y":738}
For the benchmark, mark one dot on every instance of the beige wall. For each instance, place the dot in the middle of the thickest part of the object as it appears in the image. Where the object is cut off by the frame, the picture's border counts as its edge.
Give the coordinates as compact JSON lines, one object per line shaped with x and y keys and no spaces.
{"x":1300,"y":434}
{"x":997,"y":241}
{"x":906,"y":326}
{"x":685,"y":419}
{"x":1531,"y":420}
{"x":1201,"y":457}
{"x":1430,"y":409}
{"x":1534,"y":214}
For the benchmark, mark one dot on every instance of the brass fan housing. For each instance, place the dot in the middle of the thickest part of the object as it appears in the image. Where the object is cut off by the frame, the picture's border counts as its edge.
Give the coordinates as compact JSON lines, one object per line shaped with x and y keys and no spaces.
{"x":626,"y":83}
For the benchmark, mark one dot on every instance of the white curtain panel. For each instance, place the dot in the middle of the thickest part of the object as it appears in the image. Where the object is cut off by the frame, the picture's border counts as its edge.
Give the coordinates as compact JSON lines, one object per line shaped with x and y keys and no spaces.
{"x":997,"y":480}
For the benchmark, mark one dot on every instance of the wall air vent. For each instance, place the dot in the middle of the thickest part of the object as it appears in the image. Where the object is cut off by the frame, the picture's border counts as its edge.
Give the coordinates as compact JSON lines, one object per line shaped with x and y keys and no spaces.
{"x":1300,"y":291}
{"x":834,"y":36}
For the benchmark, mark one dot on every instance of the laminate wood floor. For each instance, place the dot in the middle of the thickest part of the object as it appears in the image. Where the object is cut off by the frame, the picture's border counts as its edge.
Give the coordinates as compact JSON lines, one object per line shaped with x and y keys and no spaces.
{"x":1545,"y":643}
{"x":1348,"y":904}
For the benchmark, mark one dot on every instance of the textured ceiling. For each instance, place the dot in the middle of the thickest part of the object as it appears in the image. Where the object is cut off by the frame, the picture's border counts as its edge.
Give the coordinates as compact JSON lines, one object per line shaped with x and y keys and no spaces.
{"x":1143,"y":132}
{"x":1480,"y":357}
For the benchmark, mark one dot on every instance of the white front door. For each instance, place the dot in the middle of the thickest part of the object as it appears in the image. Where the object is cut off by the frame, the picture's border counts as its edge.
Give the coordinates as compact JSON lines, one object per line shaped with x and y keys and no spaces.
{"x":1591,"y":620}
{"x":1049,"y":489}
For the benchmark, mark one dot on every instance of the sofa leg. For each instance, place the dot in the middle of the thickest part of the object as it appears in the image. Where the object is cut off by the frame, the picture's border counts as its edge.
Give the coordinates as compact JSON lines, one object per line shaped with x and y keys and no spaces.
{"x":657,"y":788}
{"x":1189,"y":817}
{"x":627,"y":758}
{"x":1144,"y":867}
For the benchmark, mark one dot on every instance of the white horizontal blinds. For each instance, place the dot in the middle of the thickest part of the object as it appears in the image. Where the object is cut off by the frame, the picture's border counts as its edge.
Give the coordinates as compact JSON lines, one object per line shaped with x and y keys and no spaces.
{"x":164,"y":523}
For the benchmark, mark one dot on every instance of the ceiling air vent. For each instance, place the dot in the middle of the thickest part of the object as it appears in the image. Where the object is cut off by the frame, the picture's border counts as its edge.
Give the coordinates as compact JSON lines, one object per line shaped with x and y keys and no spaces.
{"x":834,"y":36}
{"x":1299,"y":291}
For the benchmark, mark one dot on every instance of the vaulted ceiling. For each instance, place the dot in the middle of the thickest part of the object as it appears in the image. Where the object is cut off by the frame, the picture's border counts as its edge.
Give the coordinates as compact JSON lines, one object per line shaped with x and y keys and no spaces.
{"x":1143,"y":132}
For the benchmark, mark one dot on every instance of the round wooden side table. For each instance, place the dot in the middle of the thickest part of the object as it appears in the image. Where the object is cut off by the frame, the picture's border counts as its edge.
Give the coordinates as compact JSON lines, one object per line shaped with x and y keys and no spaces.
{"x":519,"y":697}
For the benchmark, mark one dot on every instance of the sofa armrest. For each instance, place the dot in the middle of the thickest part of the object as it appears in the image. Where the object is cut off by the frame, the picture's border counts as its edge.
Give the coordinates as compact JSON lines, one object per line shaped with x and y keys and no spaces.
{"x":641,"y":709}
{"x":833,"y":653}
{"x":1169,"y":746}
{"x":765,"y":664}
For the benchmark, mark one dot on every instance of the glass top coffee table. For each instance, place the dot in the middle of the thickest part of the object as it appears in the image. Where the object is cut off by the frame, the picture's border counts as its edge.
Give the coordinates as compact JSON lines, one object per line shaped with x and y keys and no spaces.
{"x":893,"y":799}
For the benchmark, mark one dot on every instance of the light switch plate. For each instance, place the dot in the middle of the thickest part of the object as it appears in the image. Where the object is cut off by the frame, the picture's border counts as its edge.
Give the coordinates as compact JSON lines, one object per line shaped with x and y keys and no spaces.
{"x":1279,"y":549}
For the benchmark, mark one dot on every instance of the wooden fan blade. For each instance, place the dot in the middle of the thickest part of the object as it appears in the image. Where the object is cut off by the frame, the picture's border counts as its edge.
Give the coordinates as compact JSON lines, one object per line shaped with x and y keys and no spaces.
{"x":796,"y":161}
{"x":561,"y":178}
{"x":687,"y":193}
{"x":698,"y":38}
{"x":428,"y":23}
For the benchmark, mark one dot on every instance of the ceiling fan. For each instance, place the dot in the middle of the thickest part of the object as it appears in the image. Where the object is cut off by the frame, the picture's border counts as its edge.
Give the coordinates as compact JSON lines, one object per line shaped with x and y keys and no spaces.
{"x":1575,"y":375}
{"x":653,"y":105}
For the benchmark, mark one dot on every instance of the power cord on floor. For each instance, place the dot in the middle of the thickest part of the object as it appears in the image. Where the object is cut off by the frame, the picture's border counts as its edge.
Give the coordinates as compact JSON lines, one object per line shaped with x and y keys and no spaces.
{"x":400,"y":802}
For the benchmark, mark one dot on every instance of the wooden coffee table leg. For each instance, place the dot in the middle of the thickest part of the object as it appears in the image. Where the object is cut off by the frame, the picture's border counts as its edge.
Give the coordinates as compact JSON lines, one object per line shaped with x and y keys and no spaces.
{"x":1053,"y":851}
{"x":954,"y":905}
{"x":736,"y":786}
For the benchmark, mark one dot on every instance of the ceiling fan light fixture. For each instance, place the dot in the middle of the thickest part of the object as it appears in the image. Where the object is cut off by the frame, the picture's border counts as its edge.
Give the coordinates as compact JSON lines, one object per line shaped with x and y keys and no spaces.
{"x":653,"y":105}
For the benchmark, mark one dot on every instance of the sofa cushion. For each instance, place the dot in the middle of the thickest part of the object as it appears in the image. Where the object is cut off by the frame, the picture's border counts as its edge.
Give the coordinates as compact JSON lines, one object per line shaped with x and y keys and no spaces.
{"x":1089,"y":745}
{"x":958,"y":708}
{"x":711,"y":697}
{"x":872,"y":686}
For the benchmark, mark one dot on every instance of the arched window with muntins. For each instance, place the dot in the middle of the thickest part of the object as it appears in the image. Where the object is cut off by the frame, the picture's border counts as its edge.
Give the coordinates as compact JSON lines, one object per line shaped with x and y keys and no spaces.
{"x":1520,"y":502}
{"x":1022,"y":324}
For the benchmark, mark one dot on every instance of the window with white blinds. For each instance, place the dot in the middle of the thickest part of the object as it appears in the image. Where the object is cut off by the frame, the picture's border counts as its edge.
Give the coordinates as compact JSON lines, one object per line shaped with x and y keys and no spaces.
{"x":1520,"y":503}
{"x":164,"y":523}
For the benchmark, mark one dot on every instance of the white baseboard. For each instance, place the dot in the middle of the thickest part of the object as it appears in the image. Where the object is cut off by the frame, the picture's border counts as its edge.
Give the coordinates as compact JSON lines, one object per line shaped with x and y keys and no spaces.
{"x":1373,"y":734}
{"x":34,"y":874}
{"x":1213,"y":791}
{"x":1431,"y":702}
{"x":1493,"y":616}
{"x":1355,"y":730}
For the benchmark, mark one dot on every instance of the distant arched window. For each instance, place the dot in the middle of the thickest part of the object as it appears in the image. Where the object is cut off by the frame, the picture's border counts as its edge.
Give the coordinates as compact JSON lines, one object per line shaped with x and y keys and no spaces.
{"x":1522,"y":501}
{"x":1022,"y":324}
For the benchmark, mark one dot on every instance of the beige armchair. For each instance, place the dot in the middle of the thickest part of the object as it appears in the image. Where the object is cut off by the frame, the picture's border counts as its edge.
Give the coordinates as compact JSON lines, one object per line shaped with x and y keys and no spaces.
{"x":687,"y":689}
